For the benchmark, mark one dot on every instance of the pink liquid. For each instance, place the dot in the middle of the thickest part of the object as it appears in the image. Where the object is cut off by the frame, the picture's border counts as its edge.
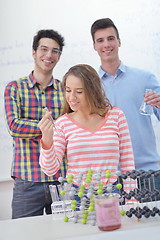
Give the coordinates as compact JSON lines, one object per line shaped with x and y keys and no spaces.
{"x":108,"y":214}
{"x":109,"y":228}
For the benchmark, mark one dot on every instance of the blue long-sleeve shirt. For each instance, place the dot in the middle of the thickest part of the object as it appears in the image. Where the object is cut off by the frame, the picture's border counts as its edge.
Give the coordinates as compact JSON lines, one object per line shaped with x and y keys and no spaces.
{"x":125,"y":90}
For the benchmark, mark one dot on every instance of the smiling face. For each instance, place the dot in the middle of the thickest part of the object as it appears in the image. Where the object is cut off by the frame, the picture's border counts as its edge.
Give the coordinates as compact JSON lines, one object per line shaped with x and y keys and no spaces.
{"x":75,"y":94}
{"x":106,"y":44}
{"x":45,"y":57}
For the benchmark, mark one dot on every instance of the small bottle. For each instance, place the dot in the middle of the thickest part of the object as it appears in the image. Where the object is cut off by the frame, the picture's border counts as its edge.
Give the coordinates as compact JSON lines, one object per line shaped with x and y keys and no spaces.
{"x":146,"y":109}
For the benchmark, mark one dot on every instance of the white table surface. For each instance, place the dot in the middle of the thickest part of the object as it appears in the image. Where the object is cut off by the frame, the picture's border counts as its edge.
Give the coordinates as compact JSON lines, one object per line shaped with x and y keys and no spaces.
{"x":46,"y":228}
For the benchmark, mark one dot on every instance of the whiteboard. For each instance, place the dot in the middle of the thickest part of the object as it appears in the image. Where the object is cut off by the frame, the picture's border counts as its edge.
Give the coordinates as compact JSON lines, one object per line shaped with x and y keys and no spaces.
{"x":137,"y":21}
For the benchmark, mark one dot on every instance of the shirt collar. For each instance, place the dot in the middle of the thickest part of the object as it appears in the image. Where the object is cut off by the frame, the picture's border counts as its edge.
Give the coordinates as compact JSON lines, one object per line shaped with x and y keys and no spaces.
{"x":33,"y":82}
{"x":120,"y":69}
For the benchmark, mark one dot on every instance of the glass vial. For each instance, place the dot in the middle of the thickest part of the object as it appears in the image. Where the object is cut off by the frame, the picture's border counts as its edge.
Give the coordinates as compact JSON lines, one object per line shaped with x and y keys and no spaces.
{"x":146,"y":109}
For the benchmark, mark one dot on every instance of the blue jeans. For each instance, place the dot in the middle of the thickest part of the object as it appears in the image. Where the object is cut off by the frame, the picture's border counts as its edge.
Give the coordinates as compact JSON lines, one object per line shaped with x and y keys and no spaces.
{"x":31,"y":198}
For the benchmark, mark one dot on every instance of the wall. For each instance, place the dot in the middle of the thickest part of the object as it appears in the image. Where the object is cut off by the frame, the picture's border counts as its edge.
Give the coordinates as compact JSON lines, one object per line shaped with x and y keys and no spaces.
{"x":137,"y":21}
{"x":5,"y":199}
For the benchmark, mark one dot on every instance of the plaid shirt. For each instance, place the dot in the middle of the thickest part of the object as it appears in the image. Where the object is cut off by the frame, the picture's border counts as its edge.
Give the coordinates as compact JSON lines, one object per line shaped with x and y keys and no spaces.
{"x":25,"y":100}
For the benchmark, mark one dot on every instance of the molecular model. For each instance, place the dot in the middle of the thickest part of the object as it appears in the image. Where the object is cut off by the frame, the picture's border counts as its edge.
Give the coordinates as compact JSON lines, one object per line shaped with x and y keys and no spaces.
{"x":77,"y":203}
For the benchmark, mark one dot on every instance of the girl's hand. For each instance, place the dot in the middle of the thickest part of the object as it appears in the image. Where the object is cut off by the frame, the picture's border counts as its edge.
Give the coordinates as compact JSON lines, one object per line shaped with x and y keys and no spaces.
{"x":46,"y":127}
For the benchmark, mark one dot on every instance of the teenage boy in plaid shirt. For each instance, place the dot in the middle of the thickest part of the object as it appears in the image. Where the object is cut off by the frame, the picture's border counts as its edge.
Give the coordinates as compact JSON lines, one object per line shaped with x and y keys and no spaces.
{"x":25,"y":102}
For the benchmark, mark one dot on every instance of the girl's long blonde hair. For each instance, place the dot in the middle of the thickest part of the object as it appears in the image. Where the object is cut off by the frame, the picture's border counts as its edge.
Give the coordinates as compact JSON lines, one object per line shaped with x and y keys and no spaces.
{"x":94,"y":92}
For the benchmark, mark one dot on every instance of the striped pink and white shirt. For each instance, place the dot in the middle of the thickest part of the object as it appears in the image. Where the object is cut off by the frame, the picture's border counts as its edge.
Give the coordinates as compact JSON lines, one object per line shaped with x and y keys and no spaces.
{"x":103,"y":149}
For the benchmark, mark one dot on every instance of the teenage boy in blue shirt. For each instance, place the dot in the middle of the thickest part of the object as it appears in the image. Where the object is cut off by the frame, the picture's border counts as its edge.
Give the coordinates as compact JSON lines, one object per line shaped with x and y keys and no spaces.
{"x":125,"y":87}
